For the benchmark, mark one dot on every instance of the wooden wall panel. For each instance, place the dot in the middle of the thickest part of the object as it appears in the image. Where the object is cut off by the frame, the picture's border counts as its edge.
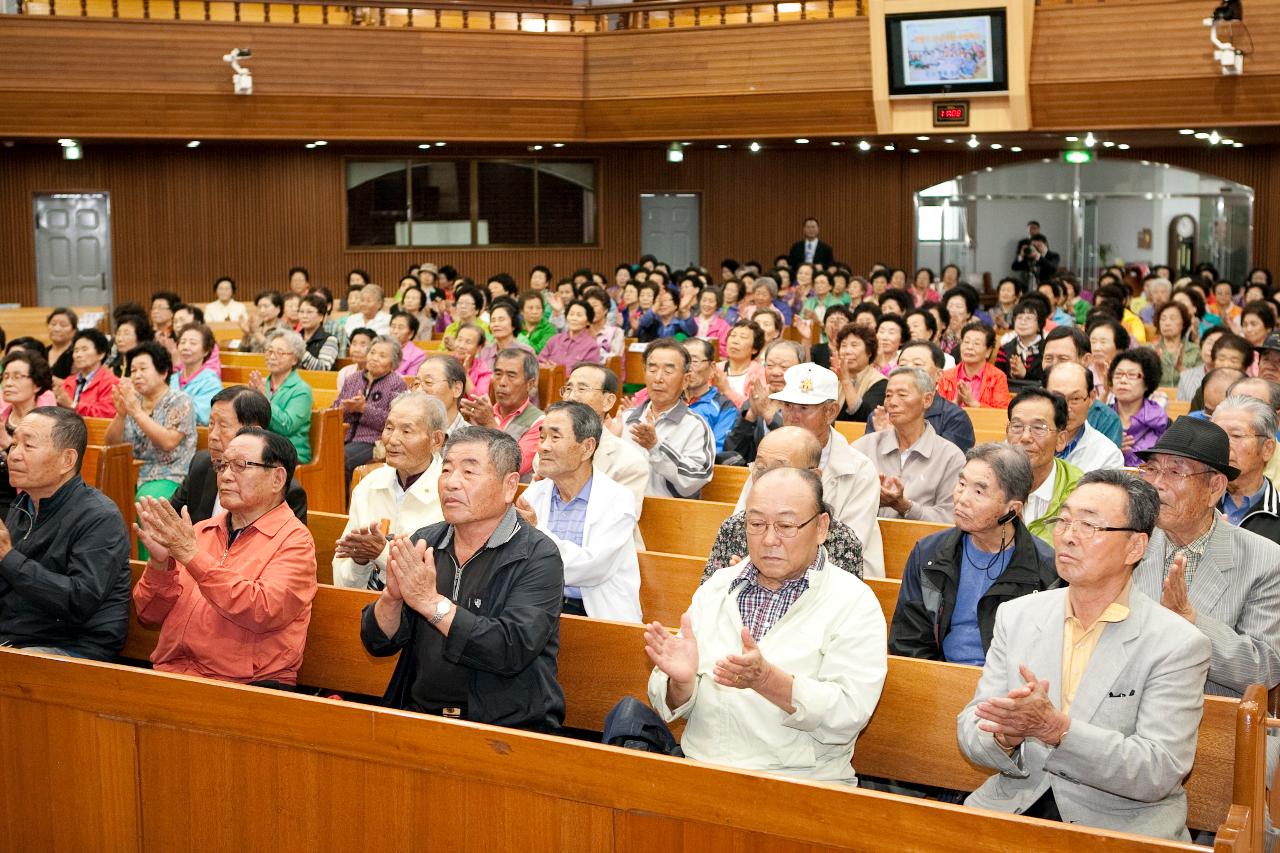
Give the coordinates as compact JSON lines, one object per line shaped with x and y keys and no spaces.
{"x":182,"y":218}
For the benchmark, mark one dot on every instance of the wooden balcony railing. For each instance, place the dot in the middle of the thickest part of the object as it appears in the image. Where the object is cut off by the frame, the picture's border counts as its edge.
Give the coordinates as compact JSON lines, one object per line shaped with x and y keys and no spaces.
{"x":458,"y":14}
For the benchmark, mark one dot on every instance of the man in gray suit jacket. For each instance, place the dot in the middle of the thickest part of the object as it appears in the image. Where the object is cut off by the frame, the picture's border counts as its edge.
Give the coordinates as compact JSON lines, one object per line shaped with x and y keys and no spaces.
{"x":1220,"y":578}
{"x":1090,"y":700}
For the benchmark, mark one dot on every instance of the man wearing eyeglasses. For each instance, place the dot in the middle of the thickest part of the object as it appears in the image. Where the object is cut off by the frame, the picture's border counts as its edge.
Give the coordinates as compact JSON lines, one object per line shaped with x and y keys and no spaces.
{"x":1219,"y":577}
{"x":443,"y":377}
{"x":703,"y":398}
{"x":1091,"y":695}
{"x":1086,"y":448}
{"x":779,"y":662}
{"x":231,"y":409}
{"x":1038,"y":424}
{"x":64,"y":550}
{"x":680,"y":445}
{"x":231,"y":595}
{"x":1251,"y":500}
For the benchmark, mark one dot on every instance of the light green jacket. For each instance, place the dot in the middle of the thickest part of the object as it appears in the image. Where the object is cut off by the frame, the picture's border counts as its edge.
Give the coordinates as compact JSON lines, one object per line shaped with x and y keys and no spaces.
{"x":1066,"y":476}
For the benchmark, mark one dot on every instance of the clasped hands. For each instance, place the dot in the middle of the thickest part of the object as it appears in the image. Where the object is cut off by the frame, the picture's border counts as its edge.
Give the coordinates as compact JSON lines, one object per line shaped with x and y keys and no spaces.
{"x":363,"y":544}
{"x":1026,"y":712}
{"x":411,"y":575}
{"x":677,"y":656}
{"x":165,"y":533}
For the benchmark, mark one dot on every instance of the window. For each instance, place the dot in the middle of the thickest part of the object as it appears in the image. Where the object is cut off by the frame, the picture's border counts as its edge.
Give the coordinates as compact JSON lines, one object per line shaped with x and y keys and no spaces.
{"x":471,"y":202}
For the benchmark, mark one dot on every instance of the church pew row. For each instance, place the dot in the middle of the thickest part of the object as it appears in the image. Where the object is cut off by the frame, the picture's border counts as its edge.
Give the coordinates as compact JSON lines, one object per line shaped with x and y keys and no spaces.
{"x":726,"y":484}
{"x":911,"y":736}
{"x":149,"y":761}
{"x":32,"y":321}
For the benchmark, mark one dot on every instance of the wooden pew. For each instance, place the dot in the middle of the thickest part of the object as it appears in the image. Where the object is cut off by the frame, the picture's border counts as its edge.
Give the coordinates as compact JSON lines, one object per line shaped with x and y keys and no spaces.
{"x":900,"y":536}
{"x":680,"y":526}
{"x":550,"y":381}
{"x":32,"y":321}
{"x":1177,"y":408}
{"x":326,"y":529}
{"x":726,"y":484}
{"x":109,"y":469}
{"x":252,"y":766}
{"x":361,"y":471}
{"x":324,"y":477}
{"x":911,"y":736}
{"x":988,"y":420}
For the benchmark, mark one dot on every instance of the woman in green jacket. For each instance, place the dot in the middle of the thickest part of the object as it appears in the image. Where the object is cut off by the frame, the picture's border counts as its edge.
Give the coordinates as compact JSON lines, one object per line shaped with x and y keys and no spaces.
{"x":289,"y":394}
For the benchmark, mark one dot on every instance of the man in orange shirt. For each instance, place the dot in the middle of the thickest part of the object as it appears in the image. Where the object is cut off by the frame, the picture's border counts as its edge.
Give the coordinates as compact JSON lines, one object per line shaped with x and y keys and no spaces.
{"x":232,"y":595}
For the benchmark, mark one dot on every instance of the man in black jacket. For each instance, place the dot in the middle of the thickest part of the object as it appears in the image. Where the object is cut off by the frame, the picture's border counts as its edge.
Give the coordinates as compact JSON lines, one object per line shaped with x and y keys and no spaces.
{"x":810,"y":250}
{"x":1251,"y":501}
{"x":954,"y":580}
{"x":231,"y":408}
{"x":64,"y":549}
{"x":472,"y":604}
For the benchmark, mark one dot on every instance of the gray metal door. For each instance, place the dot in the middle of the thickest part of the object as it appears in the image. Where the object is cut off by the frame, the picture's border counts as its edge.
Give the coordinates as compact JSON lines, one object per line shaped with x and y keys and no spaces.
{"x":670,"y":227}
{"x":73,"y":248}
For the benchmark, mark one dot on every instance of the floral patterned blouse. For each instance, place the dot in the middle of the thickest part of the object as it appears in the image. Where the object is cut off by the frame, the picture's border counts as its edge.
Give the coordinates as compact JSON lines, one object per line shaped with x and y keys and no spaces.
{"x":173,"y":411}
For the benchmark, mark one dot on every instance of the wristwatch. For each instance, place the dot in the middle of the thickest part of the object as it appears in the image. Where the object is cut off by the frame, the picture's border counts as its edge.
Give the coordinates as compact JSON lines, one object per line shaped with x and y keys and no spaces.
{"x":442,"y":610}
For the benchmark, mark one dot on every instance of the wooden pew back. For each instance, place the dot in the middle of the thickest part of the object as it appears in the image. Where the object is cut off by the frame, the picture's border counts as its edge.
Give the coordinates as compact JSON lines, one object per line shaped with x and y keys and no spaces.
{"x":726,"y":484}
{"x":900,"y":536}
{"x":125,"y":735}
{"x":324,"y":477}
{"x":678,"y":526}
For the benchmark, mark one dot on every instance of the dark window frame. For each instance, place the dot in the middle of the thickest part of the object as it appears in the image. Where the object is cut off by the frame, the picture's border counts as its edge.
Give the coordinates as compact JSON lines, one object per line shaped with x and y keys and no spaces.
{"x":473,"y":163}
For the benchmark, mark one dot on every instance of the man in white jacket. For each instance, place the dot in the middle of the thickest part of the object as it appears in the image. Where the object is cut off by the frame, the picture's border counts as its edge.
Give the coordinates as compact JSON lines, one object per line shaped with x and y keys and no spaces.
{"x":404,"y":492}
{"x":588,"y":516}
{"x":781,"y":658}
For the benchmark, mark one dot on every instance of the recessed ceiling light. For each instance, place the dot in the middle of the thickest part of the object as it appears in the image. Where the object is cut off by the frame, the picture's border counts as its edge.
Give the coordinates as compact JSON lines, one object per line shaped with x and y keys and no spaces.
{"x":891,"y":147}
{"x":802,"y":141}
{"x":309,"y":145}
{"x":973,"y":142}
{"x":1017,"y":149}
{"x":722,"y":146}
{"x":1124,"y":146}
{"x":1186,"y":131}
{"x":535,"y":148}
{"x":557,"y":145}
{"x":1237,"y":145}
{"x":686,"y":144}
{"x":864,"y":145}
{"x":1228,"y":142}
{"x":949,"y":140}
{"x":66,"y":143}
{"x":440,"y":144}
{"x":424,"y":146}
{"x":1202,"y":135}
{"x":755,"y":147}
{"x":996,"y":146}
{"x":1071,"y":138}
{"x":915,"y":150}
{"x":1090,"y":140}
{"x":1108,"y":144}
{"x":320,"y":142}
{"x":1214,"y":138}
{"x":923,"y":138}
{"x":836,"y":143}
{"x":195,"y":143}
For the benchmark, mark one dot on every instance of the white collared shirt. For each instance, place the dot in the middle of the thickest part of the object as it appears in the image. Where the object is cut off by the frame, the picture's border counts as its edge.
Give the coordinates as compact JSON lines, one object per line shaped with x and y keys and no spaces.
{"x":1038,"y":501}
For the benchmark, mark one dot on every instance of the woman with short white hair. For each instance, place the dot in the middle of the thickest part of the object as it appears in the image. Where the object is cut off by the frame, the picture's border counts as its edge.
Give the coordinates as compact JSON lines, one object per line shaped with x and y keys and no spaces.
{"x":289,"y":394}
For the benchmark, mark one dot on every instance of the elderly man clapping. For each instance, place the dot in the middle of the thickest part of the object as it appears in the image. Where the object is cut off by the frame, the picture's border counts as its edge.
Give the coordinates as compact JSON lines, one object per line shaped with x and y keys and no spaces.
{"x":788,"y":647}
{"x":403,"y":494}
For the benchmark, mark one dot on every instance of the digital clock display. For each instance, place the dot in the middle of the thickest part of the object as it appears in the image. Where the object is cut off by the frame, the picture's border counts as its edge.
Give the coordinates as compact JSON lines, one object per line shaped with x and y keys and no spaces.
{"x":950,"y":113}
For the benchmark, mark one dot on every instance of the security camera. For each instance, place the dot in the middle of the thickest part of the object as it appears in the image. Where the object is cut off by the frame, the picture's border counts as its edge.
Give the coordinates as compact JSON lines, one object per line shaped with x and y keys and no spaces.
{"x":1227,"y":55}
{"x":241,"y":79}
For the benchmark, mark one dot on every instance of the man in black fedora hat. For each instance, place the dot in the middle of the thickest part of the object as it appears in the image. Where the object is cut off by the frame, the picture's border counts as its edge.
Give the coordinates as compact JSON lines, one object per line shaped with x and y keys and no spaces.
{"x":1223,"y":579}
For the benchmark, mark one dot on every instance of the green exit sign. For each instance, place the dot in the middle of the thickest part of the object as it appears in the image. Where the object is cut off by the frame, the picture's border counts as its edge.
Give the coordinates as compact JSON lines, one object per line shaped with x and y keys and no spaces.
{"x":1077,"y":157}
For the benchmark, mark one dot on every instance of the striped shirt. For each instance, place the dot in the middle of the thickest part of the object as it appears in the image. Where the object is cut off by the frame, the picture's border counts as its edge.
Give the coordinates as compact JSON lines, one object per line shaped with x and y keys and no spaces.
{"x":567,"y":520}
{"x":762,"y":608}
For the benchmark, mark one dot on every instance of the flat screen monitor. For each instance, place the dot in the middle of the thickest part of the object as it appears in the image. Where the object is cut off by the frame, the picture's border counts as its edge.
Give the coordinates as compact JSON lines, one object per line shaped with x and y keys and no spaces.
{"x":943,"y":53}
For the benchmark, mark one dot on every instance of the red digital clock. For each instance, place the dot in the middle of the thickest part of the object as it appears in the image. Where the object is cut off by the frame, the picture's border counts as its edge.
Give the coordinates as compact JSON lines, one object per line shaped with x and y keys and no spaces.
{"x":950,"y":113}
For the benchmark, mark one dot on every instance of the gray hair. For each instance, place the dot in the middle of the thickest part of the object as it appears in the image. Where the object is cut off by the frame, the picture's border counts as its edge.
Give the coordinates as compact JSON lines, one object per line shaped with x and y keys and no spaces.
{"x":527,"y":360}
{"x":767,"y":281}
{"x":924,"y":382}
{"x":397,"y":351}
{"x":291,"y":339}
{"x":1273,"y":390}
{"x":454,"y":372}
{"x":810,"y":479}
{"x":69,"y":430}
{"x":473,"y":327}
{"x":1142,"y":501}
{"x":371,"y":288}
{"x":1262,"y":416}
{"x":586,"y":423}
{"x":504,"y":453}
{"x":1011,"y":466}
{"x":431,"y":409}
{"x":794,"y":346}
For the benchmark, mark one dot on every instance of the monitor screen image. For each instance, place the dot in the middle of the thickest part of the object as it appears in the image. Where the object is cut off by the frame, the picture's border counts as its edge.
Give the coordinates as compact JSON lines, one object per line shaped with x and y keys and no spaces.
{"x":930,"y":54}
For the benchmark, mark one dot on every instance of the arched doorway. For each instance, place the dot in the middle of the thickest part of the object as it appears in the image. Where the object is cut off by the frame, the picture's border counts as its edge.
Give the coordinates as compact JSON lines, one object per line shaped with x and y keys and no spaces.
{"x":1094,"y":214}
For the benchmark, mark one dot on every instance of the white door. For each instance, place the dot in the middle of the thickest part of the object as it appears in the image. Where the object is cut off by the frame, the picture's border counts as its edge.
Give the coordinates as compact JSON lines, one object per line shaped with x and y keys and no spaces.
{"x":670,"y":223}
{"x":73,"y":249}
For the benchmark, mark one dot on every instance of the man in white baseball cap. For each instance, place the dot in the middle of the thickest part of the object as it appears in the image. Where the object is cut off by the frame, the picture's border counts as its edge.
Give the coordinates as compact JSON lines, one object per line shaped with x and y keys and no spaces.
{"x":850,"y":485}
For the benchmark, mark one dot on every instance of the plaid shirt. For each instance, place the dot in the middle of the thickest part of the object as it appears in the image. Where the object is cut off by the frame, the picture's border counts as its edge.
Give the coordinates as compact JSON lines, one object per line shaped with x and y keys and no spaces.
{"x":762,"y":608}
{"x":1193,"y":550}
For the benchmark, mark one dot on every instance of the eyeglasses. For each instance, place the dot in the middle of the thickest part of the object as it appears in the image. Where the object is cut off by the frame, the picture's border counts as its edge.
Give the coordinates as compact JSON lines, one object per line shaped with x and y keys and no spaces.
{"x":1241,"y":436}
{"x":784,"y":529}
{"x":1086,"y":529}
{"x":695,"y":362}
{"x":1152,"y":473}
{"x":1135,"y":375}
{"x":575,"y":390}
{"x":238,"y":466}
{"x":1039,"y":429}
{"x":14,"y":377}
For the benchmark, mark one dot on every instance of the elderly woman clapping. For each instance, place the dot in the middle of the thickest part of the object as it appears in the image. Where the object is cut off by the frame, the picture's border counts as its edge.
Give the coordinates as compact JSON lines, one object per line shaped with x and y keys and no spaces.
{"x":365,"y":398}
{"x":289,"y":394}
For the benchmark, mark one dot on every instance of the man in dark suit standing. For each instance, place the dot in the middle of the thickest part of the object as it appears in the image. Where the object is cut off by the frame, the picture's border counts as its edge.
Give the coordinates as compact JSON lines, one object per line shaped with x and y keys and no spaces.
{"x":810,"y":250}
{"x":231,"y":408}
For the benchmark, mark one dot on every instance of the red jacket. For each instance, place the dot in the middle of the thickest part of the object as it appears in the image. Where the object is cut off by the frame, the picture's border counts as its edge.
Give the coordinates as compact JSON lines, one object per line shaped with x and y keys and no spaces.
{"x":993,"y":387}
{"x":95,"y":400}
